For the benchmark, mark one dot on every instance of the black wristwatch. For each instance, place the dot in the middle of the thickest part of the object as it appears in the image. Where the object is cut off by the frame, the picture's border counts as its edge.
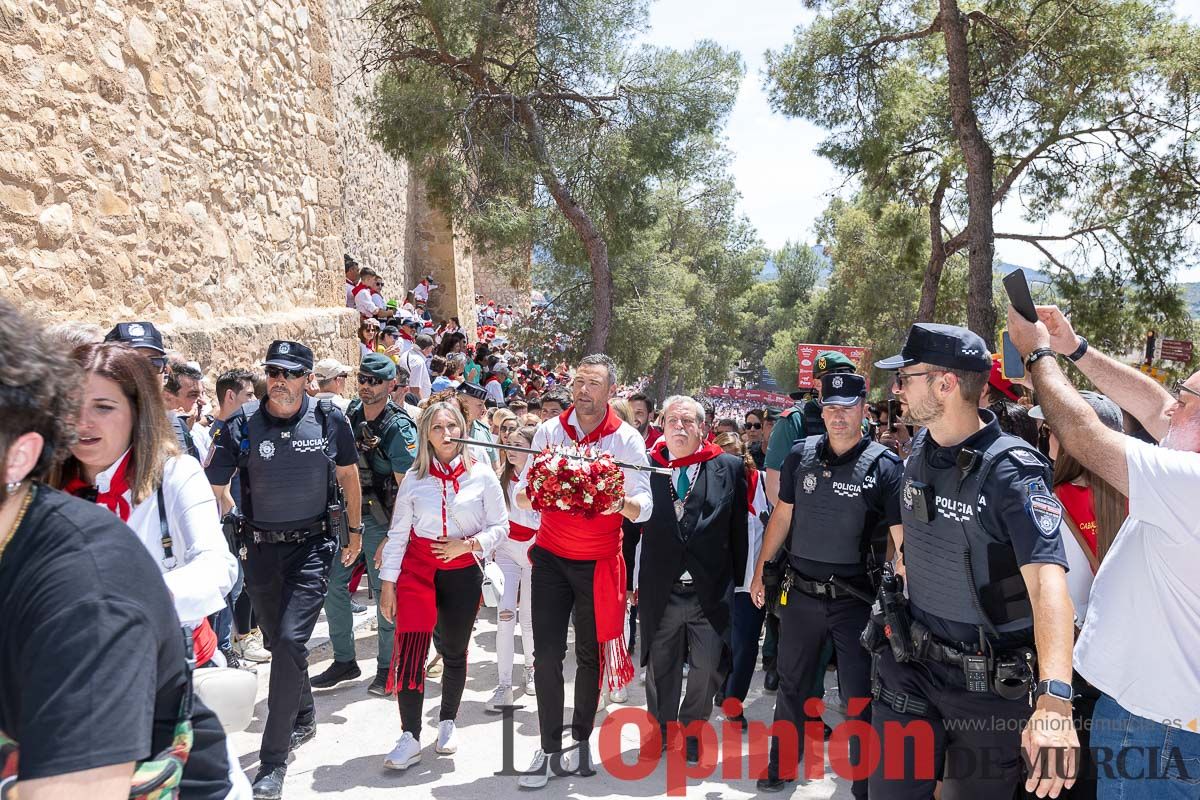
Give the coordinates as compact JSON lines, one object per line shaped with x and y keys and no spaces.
{"x":1059,"y":689}
{"x":1080,"y":350}
{"x":359,"y":529}
{"x":1036,"y":356}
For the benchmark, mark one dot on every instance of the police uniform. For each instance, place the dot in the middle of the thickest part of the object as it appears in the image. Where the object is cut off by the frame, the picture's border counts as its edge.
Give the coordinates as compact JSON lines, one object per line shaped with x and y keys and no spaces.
{"x":145,"y":337}
{"x":478,"y":429}
{"x":974,"y":513}
{"x":387,"y":446}
{"x":843,"y":506}
{"x":286,"y":469}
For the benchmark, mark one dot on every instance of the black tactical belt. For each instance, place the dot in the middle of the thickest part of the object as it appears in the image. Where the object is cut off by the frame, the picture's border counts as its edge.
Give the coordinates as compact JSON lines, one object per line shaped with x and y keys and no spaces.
{"x":834,"y":590}
{"x":900,"y":702}
{"x":281,"y":537}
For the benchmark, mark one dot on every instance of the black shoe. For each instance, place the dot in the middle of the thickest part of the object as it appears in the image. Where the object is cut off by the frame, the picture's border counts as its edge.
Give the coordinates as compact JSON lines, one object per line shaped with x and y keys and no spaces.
{"x":357,"y":608}
{"x":303,"y":732}
{"x":338,"y":671}
{"x":692,"y":746}
{"x":828,"y":732}
{"x":378,"y":686}
{"x":770,"y":681}
{"x":268,"y":784}
{"x":740,"y":719}
{"x":771,"y":783}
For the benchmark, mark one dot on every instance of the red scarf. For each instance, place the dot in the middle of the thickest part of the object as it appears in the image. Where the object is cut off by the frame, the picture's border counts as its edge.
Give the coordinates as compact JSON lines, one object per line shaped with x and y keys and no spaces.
{"x":662,"y":455}
{"x":447,"y":475}
{"x":751,"y":490}
{"x":597,"y":539}
{"x":114,"y":499}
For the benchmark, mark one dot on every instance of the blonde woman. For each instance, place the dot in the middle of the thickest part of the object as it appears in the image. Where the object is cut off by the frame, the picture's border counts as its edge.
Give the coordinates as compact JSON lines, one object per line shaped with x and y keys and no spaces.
{"x":449,"y":510}
{"x":512,"y":556}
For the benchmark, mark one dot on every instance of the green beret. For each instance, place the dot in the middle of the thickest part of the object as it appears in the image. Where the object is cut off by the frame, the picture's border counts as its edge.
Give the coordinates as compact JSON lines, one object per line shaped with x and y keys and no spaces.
{"x":831,"y":361}
{"x":379,"y":365}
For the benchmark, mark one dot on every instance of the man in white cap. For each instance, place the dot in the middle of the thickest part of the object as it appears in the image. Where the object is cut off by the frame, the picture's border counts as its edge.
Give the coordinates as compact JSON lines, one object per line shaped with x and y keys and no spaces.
{"x":331,"y":381}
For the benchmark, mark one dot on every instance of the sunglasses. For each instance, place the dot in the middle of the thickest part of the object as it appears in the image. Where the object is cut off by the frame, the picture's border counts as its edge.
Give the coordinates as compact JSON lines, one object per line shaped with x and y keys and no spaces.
{"x":279,"y":372}
{"x":508,"y":428}
{"x":158,"y":362}
{"x":901,"y":377}
{"x":369,"y":380}
{"x":754,"y":426}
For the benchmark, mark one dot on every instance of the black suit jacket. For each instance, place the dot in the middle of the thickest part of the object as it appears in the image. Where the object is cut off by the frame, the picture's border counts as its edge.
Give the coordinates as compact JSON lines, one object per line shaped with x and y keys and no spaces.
{"x":710,"y":542}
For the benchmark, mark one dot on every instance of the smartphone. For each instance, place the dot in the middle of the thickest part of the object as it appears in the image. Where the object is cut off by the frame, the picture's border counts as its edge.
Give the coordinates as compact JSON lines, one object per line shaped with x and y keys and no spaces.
{"x":1018,"y":294}
{"x":893,"y":413}
{"x":1011,"y":364}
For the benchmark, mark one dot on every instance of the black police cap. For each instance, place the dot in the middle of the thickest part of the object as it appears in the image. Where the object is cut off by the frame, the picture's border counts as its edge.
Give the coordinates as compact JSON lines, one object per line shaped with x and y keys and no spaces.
{"x":942,"y":346}
{"x":472,"y":390}
{"x":137,"y":334}
{"x":289,"y":355}
{"x":842,"y":389}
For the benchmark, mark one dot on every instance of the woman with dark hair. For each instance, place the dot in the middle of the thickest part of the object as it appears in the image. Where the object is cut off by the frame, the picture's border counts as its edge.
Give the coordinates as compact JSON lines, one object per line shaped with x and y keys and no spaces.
{"x":449,"y":509}
{"x":94,"y":676}
{"x":126,"y":459}
{"x":512,"y":556}
{"x":452,"y":342}
{"x":368,"y":334}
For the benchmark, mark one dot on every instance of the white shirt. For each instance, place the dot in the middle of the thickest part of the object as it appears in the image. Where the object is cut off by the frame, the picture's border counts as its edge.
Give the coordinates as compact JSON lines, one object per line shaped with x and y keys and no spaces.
{"x":476,"y":510}
{"x":1079,"y":573}
{"x":530,"y":519}
{"x":350,"y":294}
{"x":624,"y":444}
{"x":1139,"y":643}
{"x":202,"y":438}
{"x":377,"y":299}
{"x":494,"y":391}
{"x":754,"y":532}
{"x":418,"y":371}
{"x":421,"y":292}
{"x":364,"y":304}
{"x":203,"y":570}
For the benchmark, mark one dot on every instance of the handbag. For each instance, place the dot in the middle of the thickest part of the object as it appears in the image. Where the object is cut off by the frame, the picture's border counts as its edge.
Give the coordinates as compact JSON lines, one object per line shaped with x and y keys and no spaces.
{"x":493,"y":584}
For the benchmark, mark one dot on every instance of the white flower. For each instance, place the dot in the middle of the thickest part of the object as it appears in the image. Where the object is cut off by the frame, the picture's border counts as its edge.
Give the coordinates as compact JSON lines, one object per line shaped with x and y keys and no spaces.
{"x":587,"y":498}
{"x":564,"y":505}
{"x":600,"y":486}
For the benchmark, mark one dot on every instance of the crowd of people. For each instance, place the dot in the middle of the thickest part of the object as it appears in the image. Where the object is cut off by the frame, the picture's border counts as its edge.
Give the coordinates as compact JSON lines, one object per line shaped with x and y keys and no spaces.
{"x":945,"y":551}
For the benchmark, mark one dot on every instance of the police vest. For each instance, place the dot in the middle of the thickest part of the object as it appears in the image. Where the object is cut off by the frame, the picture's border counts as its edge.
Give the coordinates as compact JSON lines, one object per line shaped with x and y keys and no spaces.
{"x":946,"y":559}
{"x":287,"y":469}
{"x":830,"y":508}
{"x":376,"y":472}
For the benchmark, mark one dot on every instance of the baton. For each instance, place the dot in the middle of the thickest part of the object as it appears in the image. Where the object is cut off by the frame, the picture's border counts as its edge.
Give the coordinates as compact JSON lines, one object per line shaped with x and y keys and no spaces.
{"x":497,"y":446}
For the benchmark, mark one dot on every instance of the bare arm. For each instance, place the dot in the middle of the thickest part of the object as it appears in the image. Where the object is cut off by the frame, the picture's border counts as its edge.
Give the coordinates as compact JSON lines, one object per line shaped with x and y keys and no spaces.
{"x":773,"y":537}
{"x":1134,"y":391}
{"x":772,"y":487}
{"x":101,"y":783}
{"x":347,"y":477}
{"x":224,"y":498}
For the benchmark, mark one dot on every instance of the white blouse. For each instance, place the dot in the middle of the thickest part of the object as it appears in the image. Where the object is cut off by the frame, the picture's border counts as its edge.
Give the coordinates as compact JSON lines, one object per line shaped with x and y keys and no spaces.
{"x":530,"y":519}
{"x":203,"y":571}
{"x":476,"y":510}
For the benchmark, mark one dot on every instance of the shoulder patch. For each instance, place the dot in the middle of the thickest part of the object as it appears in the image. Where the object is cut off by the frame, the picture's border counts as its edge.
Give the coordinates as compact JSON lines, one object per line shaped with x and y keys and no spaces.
{"x":1027,"y":457}
{"x":1046,"y":513}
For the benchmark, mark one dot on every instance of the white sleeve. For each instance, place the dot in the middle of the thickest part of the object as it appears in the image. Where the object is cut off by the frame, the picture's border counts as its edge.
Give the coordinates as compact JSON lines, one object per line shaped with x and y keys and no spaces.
{"x":207,"y":570}
{"x":364,"y":304}
{"x":494,"y":392}
{"x":398,"y":531}
{"x":637,"y":561}
{"x":1162,"y":488}
{"x":538,"y":444}
{"x":495,"y":514}
{"x":637,"y":482}
{"x":1079,"y":574}
{"x":421,"y":373}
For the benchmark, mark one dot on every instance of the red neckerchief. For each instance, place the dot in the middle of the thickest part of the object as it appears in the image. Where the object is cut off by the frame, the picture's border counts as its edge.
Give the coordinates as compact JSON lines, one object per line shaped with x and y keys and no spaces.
{"x":114,"y":499}
{"x":445,"y":475}
{"x":662,"y":455}
{"x":751,"y":489}
{"x":608,"y":426}
{"x":404,"y":334}
{"x":354,"y":292}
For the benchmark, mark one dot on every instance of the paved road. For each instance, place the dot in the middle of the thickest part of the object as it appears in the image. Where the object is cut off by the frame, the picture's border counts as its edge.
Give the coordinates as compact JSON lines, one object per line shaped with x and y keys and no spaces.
{"x":356,"y":730}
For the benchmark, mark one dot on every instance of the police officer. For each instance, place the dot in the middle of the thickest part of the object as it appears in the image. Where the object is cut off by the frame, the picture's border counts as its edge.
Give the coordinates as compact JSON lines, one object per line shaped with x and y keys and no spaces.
{"x":474,"y":398}
{"x":387,"y":444}
{"x":988,"y":609}
{"x":838,"y":493}
{"x":291,"y":454}
{"x":146,"y":339}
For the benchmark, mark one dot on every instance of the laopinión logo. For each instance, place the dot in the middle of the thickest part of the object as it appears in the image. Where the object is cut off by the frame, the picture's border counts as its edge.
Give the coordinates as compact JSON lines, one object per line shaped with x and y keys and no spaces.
{"x":724,"y":749}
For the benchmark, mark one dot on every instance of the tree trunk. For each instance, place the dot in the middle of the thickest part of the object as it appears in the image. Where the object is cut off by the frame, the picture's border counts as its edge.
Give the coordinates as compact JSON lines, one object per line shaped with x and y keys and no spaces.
{"x":937,"y":253}
{"x":662,"y":375}
{"x":593,"y":242}
{"x":977,"y":155}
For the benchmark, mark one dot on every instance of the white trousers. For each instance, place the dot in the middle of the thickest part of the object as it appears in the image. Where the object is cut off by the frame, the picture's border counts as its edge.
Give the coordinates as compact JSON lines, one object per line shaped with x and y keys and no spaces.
{"x":513,"y":559}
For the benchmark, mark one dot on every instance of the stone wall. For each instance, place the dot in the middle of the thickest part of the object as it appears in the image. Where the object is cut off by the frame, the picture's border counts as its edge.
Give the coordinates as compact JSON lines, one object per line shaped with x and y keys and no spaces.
{"x":202,"y":164}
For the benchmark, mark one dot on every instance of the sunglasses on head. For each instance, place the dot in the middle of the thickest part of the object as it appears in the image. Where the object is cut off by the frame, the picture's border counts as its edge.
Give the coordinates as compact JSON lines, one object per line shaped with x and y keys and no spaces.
{"x":369,"y":380}
{"x":754,"y":426}
{"x":280,"y":372}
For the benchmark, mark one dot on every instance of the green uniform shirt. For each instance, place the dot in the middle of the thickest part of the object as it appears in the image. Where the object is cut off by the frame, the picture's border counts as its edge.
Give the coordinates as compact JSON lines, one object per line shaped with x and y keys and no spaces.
{"x":798,"y":424}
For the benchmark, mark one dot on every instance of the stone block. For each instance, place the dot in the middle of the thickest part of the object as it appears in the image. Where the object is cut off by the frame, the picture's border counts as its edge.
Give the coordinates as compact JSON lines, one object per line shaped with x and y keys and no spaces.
{"x":17,"y":200}
{"x":109,"y":203}
{"x":56,"y":222}
{"x":141,"y":39}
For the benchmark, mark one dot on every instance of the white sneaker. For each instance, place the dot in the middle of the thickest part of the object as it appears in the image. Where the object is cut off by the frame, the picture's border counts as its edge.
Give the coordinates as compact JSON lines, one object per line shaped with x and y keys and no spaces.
{"x":530,"y":684}
{"x":578,"y":760}
{"x":538,"y":774}
{"x":686,"y":668}
{"x":445,"y":741}
{"x":619,"y":695}
{"x":642,"y":676}
{"x":503,"y":696}
{"x":252,"y":647}
{"x":406,"y":753}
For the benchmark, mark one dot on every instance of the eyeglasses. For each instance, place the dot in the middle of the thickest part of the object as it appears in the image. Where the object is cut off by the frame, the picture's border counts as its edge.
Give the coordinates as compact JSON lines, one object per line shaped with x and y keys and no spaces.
{"x":369,"y":380}
{"x":158,"y":362}
{"x":901,"y":377}
{"x":754,"y":426}
{"x":279,"y":372}
{"x":1178,"y":389}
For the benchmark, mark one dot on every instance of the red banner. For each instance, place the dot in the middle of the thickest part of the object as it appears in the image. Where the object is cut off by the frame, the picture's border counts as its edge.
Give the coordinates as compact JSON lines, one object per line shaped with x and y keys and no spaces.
{"x":757,"y":396}
{"x":806,"y":355}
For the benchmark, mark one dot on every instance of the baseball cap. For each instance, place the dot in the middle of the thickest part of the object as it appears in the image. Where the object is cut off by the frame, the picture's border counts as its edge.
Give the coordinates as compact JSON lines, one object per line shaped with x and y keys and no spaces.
{"x":943,"y":346}
{"x":842,"y":389}
{"x":1108,"y":411}
{"x":329,"y":368}
{"x":289,"y":355}
{"x":831,"y":361}
{"x":137,"y":334}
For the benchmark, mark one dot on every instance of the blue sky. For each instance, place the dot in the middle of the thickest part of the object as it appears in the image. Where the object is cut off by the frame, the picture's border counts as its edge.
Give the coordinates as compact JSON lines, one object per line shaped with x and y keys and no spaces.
{"x":785,"y":185}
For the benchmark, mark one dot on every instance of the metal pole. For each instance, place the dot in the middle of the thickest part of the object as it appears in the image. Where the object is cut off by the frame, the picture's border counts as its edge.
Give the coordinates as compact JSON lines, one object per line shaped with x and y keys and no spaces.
{"x":531,"y":451}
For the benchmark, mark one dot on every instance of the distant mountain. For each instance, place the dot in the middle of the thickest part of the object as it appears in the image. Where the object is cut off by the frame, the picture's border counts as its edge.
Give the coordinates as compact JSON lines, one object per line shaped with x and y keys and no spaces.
{"x":770,"y":272}
{"x":1031,"y":275}
{"x":1191,"y":296}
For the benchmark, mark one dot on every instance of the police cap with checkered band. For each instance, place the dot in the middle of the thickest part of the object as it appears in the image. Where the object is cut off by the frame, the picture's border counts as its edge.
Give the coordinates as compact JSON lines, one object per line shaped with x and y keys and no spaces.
{"x":942,"y":346}
{"x":842,"y":389}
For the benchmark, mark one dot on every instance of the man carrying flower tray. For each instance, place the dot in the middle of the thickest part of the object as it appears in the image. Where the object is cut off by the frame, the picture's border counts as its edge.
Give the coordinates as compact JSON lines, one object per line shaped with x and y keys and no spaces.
{"x":577,"y":562}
